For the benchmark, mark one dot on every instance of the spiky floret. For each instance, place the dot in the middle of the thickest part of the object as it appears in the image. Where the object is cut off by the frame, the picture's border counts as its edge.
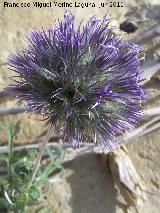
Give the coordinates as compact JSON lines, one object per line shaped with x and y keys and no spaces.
{"x":85,"y":79}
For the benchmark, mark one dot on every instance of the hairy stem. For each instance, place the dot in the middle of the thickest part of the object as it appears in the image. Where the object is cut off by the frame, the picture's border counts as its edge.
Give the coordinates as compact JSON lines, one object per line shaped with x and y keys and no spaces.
{"x":39,"y":157}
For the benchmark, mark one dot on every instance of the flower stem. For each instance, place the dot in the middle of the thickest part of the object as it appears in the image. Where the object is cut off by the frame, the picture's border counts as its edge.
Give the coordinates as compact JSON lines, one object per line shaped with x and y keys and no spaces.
{"x":39,"y":157}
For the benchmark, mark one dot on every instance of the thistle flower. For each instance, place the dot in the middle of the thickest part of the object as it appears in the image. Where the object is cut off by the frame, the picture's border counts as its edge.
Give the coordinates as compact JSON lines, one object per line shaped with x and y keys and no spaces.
{"x":82,"y":79}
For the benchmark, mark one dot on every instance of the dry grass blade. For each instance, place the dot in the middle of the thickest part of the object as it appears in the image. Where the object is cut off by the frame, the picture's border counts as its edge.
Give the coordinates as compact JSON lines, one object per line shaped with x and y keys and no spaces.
{"x":151,"y":112}
{"x":143,"y":129}
{"x":14,"y":110}
{"x":148,"y":35}
{"x":149,"y":71}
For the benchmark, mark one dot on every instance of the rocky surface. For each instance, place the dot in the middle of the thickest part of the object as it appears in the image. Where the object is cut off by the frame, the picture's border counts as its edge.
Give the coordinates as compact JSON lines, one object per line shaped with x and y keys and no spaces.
{"x":86,"y":186}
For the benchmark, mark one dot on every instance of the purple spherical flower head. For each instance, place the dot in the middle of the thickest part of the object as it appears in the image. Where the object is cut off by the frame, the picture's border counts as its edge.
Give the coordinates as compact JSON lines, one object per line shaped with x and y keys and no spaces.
{"x":82,"y":79}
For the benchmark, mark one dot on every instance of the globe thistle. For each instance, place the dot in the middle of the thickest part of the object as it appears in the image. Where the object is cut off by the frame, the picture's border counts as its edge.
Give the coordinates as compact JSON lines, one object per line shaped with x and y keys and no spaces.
{"x":84,"y":80}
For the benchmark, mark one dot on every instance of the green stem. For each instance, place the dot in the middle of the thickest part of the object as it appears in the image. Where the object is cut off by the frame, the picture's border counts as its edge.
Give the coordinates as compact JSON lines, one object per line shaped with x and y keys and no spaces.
{"x":10,"y":153}
{"x":39,"y":157}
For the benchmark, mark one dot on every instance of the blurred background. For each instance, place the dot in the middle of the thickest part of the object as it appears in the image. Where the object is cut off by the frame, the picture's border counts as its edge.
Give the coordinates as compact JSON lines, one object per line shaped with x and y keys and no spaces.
{"x":86,"y":186}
